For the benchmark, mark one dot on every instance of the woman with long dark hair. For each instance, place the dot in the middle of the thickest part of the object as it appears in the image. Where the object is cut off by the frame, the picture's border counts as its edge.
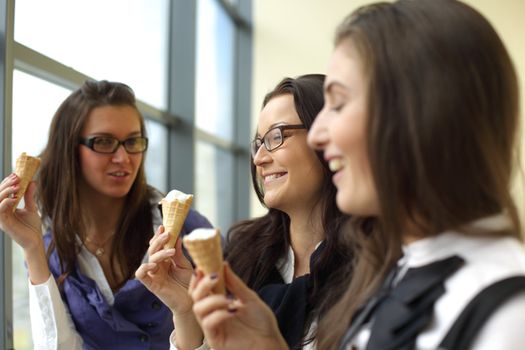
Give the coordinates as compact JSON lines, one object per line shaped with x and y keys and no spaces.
{"x":99,"y":215}
{"x":419,"y":127}
{"x":294,"y":254}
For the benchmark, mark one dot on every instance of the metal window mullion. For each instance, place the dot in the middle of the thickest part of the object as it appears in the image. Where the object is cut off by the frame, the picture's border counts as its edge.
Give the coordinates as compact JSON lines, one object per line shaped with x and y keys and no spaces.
{"x":6,"y":93}
{"x":243,"y":125}
{"x":181,"y":94}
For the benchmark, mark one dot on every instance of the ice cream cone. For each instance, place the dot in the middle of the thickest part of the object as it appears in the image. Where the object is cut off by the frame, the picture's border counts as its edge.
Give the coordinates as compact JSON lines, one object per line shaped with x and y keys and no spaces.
{"x":26,"y":167}
{"x":174,"y":212}
{"x":204,"y":246}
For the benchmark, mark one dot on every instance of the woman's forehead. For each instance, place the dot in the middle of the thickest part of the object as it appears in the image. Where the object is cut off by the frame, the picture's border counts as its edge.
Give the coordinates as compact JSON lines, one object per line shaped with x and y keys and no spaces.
{"x":279,"y":110}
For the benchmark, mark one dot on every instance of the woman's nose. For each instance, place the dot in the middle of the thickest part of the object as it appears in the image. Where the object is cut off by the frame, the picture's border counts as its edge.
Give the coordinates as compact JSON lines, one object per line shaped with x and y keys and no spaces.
{"x":318,"y":133}
{"x":120,"y":155}
{"x":261,"y":156}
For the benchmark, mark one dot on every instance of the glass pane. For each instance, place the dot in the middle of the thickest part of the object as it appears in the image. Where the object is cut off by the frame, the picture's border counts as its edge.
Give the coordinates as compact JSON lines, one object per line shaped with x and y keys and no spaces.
{"x":157,"y":155}
{"x":214,"y":185}
{"x":35,"y":101}
{"x":34,"y":104}
{"x":215,"y":73}
{"x":119,"y":40}
{"x":21,"y":322}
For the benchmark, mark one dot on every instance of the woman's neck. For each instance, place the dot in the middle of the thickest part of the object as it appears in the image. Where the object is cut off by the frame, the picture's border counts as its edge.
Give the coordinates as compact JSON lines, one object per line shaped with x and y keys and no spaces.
{"x":100,"y":216}
{"x":306,"y":231}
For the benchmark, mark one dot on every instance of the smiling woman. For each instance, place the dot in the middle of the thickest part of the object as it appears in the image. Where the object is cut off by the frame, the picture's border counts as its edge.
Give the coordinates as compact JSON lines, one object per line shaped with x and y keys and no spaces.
{"x":292,"y":255}
{"x":291,"y":174}
{"x":99,"y":214}
{"x":295,"y":253}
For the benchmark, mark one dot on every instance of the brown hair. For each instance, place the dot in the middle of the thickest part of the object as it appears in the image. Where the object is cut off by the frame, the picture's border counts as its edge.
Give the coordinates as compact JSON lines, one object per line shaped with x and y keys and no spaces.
{"x":269,"y":235}
{"x":443,"y":114}
{"x":60,"y":174}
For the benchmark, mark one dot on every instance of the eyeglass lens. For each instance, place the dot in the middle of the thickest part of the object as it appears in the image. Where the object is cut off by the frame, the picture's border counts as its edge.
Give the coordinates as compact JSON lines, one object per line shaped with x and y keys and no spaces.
{"x":111,"y":144}
{"x":272,"y":139}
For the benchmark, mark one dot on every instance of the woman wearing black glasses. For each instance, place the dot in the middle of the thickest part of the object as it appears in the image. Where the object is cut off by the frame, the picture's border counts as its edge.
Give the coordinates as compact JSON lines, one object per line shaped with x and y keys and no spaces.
{"x":301,"y":254}
{"x":294,"y":253}
{"x":99,"y":215}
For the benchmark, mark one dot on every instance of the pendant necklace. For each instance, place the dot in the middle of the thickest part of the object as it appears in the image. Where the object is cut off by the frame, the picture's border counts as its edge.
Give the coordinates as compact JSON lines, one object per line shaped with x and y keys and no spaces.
{"x":100,"y":247}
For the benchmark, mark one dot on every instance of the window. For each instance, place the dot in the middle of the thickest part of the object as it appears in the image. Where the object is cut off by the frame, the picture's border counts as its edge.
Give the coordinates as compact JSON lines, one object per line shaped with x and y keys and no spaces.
{"x":222,"y":157}
{"x":157,"y":155}
{"x":193,"y":142}
{"x":215,"y":73}
{"x":218,"y":186}
{"x":29,"y":134}
{"x":119,"y":40}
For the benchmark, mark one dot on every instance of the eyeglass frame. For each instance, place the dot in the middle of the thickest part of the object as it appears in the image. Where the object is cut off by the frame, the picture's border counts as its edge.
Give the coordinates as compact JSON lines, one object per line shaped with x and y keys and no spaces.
{"x":254,"y":148}
{"x":89,"y":142}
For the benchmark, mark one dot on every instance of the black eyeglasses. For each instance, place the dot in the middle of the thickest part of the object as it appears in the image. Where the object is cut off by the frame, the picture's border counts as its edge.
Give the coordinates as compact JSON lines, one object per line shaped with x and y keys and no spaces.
{"x":273,"y":138}
{"x":109,"y":144}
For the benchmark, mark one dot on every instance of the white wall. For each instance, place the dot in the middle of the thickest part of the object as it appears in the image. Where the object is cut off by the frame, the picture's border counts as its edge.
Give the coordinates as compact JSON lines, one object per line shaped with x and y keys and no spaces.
{"x":294,"y":37}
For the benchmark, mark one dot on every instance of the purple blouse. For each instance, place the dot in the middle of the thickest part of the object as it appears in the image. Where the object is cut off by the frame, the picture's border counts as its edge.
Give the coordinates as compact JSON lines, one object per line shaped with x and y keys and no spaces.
{"x":136,"y":320}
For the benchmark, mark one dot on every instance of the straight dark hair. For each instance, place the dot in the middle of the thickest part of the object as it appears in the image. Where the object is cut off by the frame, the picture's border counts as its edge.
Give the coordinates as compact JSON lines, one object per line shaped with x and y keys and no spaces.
{"x":254,"y":246}
{"x":59,"y":177}
{"x":442,"y":122}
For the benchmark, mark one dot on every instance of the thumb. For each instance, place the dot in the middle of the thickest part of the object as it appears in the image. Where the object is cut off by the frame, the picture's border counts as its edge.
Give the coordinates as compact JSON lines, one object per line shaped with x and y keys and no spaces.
{"x":236,"y":286}
{"x":29,"y":197}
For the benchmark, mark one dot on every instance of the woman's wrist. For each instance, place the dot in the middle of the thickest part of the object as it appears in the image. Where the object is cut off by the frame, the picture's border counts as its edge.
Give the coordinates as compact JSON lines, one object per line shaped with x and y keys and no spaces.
{"x":188,"y":333}
{"x":37,"y":266}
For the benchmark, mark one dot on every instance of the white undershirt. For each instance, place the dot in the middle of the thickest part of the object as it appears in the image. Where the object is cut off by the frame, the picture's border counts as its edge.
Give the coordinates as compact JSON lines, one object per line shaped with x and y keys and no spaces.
{"x":51,"y":324}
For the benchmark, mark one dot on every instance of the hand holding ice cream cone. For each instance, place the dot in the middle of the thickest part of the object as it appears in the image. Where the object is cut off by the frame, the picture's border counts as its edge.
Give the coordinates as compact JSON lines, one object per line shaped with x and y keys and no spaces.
{"x":26,"y":167}
{"x":204,"y":246}
{"x":175,"y":208}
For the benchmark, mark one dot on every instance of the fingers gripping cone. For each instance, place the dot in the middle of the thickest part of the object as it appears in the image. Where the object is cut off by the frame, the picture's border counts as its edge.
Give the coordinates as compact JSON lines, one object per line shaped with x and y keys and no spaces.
{"x":204,"y":246}
{"x":175,"y":208}
{"x":26,"y":167}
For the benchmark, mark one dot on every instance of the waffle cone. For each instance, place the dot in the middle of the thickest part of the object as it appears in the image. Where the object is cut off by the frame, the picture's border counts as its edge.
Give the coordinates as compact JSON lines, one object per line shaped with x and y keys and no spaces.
{"x":173,"y":216}
{"x":25,"y":169}
{"x":207,"y":256}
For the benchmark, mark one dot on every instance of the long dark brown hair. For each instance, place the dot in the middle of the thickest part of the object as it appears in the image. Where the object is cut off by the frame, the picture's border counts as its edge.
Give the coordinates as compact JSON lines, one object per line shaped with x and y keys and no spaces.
{"x":442,"y":121}
{"x":60,"y":173}
{"x":254,"y":246}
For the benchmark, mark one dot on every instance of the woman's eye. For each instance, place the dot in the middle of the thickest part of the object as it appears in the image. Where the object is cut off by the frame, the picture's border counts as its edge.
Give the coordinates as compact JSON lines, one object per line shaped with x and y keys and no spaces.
{"x":337,"y":107}
{"x":103,"y":141}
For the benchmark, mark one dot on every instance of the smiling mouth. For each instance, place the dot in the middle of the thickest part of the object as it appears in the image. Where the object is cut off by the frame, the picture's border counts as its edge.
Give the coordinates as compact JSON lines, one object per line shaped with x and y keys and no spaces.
{"x":273,"y":176}
{"x":119,"y":174}
{"x":335,"y":164}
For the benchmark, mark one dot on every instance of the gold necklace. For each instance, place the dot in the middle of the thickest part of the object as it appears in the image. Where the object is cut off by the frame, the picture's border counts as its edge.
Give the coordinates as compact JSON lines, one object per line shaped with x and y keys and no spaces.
{"x":100,"y":247}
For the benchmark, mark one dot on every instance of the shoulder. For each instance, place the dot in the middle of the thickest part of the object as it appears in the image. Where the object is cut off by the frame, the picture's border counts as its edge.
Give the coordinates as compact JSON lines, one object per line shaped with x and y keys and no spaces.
{"x":504,"y":329}
{"x":487,"y":261}
{"x":195,"y":220}
{"x":492,"y":259}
